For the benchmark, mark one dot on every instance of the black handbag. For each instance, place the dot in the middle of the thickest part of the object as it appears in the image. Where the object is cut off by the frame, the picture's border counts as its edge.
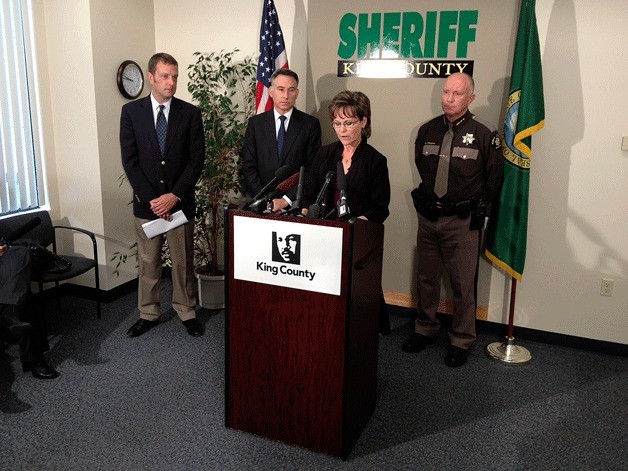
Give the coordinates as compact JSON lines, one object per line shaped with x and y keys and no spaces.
{"x":44,"y":261}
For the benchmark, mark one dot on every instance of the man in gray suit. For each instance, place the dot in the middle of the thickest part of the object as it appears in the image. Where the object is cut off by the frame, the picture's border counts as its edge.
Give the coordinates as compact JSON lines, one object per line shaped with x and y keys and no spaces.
{"x":302,"y":138}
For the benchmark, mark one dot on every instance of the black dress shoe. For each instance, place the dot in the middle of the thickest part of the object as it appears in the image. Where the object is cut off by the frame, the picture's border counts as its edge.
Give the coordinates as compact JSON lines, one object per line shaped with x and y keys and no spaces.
{"x":416,"y":342}
{"x":140,"y":327}
{"x":194,"y":327}
{"x":40,"y":369}
{"x":456,"y":356}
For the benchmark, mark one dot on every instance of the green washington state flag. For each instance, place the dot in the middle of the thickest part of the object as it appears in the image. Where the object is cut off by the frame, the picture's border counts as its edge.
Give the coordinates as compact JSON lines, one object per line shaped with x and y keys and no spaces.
{"x":525,"y":115}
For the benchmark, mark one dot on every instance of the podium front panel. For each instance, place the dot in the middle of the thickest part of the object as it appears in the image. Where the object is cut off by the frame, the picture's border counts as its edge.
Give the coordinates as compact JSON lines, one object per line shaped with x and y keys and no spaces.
{"x":286,"y":346}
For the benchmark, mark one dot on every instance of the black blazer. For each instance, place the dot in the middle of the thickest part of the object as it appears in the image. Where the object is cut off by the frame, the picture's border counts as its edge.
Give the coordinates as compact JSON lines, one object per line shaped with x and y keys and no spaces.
{"x":152,"y":175}
{"x":368,"y":186}
{"x":303,"y":138}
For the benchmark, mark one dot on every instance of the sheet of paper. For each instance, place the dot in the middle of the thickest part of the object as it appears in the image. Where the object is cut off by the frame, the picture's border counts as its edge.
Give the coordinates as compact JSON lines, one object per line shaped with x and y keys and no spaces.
{"x":160,"y":226}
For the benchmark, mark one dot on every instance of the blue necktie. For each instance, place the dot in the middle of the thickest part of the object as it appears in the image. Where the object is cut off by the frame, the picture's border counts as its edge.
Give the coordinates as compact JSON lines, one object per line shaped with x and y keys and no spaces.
{"x":162,"y":129}
{"x":281,"y":135}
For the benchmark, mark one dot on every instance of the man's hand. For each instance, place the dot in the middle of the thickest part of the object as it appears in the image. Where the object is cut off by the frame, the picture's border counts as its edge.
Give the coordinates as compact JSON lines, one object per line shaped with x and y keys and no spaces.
{"x":3,"y":249}
{"x":279,"y":204}
{"x":161,"y":206}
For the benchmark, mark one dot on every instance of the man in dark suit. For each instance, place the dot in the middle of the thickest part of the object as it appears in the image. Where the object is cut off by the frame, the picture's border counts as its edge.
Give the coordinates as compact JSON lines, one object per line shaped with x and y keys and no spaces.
{"x":163,"y":172}
{"x":302,"y":138}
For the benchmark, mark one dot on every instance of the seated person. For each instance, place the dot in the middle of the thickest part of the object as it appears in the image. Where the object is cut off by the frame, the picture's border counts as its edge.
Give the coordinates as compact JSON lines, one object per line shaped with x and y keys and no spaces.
{"x":18,"y":313}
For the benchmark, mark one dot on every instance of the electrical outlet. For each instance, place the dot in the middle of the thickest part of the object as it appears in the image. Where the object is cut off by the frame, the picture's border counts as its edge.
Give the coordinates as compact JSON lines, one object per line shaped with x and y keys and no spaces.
{"x":607,"y":287}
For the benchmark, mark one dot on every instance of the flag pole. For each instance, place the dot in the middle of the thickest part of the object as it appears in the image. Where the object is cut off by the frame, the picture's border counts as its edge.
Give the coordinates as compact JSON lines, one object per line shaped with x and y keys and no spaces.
{"x":507,"y":351}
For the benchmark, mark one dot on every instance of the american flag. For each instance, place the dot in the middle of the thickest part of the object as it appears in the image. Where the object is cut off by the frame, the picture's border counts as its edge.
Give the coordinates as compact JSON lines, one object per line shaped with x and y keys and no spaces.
{"x":272,"y":55}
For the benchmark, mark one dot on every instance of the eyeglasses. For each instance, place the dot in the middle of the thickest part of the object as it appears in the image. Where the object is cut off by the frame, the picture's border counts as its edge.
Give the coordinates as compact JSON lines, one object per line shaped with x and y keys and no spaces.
{"x":346,"y":124}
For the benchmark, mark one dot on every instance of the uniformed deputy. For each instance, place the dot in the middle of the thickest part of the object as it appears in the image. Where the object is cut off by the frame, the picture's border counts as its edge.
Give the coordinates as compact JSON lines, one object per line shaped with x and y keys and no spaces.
{"x":461,"y":167}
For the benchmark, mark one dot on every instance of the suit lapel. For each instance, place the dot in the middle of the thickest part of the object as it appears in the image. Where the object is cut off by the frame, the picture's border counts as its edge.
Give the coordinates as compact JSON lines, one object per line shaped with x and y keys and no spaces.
{"x":268,"y":129}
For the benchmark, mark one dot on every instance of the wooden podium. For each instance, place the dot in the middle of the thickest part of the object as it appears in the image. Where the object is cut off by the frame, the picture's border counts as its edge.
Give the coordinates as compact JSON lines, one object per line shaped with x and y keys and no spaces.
{"x":301,"y":365}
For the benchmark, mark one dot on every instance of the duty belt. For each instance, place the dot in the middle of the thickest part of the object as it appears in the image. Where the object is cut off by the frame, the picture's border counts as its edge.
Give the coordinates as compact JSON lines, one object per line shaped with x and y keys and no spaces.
{"x":450,"y":209}
{"x":435,"y":209}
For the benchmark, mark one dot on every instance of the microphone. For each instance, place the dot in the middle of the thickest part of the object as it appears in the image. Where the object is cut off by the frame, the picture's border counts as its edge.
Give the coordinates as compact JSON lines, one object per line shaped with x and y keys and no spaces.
{"x":281,"y":174}
{"x":296,"y":204}
{"x":287,"y":185}
{"x":318,"y":207}
{"x":342,"y":208}
{"x":21,"y":231}
{"x":281,"y":190}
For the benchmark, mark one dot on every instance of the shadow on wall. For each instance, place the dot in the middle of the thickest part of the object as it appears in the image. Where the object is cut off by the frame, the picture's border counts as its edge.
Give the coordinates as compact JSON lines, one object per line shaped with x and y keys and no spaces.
{"x":326,"y":88}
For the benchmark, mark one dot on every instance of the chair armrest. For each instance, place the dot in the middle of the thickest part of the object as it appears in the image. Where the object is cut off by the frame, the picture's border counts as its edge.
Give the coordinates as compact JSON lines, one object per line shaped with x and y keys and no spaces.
{"x":84,"y":231}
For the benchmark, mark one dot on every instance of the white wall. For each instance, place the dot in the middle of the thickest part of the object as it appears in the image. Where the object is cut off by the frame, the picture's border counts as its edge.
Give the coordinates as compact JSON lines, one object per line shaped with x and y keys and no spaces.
{"x":577,"y":227}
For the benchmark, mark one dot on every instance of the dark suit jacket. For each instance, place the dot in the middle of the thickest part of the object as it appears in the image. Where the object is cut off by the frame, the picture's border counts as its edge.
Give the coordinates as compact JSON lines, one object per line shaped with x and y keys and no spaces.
{"x":152,"y":175}
{"x":303,"y":138}
{"x":368,"y":186}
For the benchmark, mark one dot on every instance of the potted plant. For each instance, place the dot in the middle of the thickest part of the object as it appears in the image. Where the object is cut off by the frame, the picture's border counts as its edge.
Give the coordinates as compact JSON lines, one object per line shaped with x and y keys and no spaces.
{"x":224,"y":90}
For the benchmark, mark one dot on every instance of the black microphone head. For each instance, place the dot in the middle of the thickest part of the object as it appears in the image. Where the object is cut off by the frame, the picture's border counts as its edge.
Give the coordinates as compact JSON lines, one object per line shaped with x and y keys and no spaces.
{"x":23,"y":230}
{"x":329,"y":176}
{"x":283,"y":173}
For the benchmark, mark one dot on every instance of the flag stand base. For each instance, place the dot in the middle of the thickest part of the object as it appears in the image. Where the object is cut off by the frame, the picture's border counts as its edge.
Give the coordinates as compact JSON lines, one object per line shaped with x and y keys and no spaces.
{"x":508,"y":352}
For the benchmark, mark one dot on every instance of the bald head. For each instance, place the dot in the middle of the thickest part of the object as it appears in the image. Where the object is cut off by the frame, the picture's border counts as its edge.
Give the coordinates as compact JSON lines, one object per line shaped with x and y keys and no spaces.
{"x":457,"y":95}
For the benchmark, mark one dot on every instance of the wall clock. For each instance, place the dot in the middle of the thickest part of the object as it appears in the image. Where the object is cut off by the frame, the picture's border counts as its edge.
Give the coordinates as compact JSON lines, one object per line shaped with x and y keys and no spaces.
{"x":130,"y":79}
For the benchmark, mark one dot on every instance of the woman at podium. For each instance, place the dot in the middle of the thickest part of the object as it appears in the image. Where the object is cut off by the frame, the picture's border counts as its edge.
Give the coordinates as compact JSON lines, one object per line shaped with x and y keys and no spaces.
{"x":364,"y":175}
{"x":349,"y":177}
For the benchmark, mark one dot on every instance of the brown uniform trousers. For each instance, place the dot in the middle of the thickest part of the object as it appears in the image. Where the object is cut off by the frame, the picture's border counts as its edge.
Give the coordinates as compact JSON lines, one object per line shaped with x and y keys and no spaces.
{"x":448,"y":244}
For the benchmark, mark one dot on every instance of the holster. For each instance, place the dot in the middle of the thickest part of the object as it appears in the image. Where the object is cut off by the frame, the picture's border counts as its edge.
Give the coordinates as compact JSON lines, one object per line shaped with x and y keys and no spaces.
{"x":423,"y":207}
{"x":478,"y":216}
